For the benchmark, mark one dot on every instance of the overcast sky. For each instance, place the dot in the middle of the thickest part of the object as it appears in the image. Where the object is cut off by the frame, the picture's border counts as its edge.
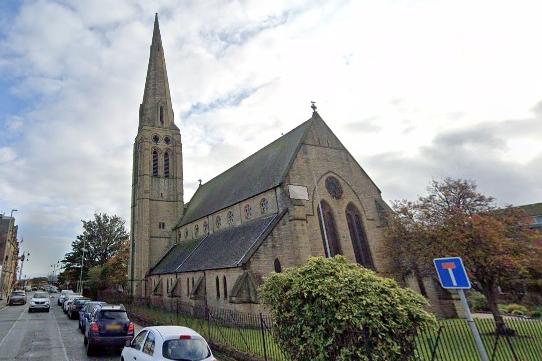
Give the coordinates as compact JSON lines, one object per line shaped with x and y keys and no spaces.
{"x":416,"y":90}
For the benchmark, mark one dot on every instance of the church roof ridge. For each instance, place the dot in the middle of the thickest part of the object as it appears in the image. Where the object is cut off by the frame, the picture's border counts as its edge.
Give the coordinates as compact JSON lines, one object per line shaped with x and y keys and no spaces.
{"x":234,"y":185}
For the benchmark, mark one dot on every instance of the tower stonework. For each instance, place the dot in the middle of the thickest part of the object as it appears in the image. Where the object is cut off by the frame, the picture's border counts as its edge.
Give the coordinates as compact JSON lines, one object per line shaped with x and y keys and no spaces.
{"x":157,"y":173}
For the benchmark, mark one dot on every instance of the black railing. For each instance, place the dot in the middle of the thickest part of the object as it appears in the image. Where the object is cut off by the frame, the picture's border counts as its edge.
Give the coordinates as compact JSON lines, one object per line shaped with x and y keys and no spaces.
{"x":252,"y":334}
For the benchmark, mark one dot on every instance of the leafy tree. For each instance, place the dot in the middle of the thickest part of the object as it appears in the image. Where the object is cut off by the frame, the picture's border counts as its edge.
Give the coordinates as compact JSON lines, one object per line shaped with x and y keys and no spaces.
{"x":330,"y":309}
{"x":454,"y":219}
{"x":102,"y":238}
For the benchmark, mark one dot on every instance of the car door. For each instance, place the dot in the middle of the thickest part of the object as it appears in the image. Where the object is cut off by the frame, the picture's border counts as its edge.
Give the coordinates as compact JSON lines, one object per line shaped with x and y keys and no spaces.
{"x":132,"y":352}
{"x":147,"y":352}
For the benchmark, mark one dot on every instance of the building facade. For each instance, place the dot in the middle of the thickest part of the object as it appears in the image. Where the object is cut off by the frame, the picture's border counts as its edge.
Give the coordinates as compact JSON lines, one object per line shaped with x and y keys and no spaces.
{"x":302,"y":195}
{"x":9,"y":252}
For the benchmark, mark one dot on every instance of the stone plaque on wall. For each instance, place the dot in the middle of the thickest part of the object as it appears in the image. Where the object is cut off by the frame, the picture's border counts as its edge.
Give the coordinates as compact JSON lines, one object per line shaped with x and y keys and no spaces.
{"x":298,"y":192}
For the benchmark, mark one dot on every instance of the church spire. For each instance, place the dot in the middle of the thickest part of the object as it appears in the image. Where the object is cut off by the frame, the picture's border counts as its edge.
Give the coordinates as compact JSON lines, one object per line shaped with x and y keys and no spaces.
{"x":156,"y":109}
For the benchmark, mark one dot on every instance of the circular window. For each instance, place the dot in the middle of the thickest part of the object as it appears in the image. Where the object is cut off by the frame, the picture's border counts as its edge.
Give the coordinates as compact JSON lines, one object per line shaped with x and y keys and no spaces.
{"x":167,"y":140}
{"x":230,"y":218}
{"x":264,"y":205}
{"x":248,"y":211}
{"x":218,"y":222}
{"x":334,"y":187}
{"x":155,"y":139}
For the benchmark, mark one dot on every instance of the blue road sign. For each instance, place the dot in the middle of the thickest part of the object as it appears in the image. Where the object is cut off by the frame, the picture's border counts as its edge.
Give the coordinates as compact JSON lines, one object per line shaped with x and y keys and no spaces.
{"x":452,"y":273}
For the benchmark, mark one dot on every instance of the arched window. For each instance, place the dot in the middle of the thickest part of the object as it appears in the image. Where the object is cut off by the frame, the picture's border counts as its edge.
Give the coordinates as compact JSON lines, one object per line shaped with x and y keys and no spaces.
{"x":225,"y":286}
{"x":161,"y":115}
{"x":217,"y":288}
{"x":358,"y":237}
{"x":230,"y":218}
{"x":187,"y":287}
{"x":166,"y":164}
{"x":248,"y":211}
{"x":331,"y":230}
{"x":278,"y":267}
{"x":155,"y":163}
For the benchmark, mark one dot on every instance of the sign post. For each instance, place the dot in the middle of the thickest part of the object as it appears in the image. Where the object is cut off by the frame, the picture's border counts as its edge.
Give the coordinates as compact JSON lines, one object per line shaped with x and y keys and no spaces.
{"x":452,"y":275}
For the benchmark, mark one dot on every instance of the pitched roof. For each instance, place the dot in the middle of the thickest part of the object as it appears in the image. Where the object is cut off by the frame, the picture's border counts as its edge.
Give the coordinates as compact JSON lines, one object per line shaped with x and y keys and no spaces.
{"x":261,"y":171}
{"x":227,"y":248}
{"x":534,"y":209}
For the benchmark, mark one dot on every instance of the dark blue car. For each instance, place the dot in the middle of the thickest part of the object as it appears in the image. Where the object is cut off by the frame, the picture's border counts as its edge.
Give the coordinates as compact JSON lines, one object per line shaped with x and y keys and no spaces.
{"x":108,"y":327}
{"x":86,"y":312}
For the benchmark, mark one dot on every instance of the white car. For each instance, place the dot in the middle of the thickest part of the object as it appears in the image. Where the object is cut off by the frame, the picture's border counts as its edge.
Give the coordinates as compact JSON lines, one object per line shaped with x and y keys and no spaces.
{"x":68,"y":302}
{"x":40,"y":301}
{"x":167,"y":343}
{"x":63,"y":295}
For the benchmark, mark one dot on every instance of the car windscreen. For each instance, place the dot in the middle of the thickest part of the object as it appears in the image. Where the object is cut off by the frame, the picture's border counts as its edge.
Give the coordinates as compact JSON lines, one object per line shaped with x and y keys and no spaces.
{"x":66,"y":292}
{"x":80,"y":301}
{"x":113,"y":315}
{"x":17,"y":294}
{"x":40,"y":295}
{"x":186,"y":350}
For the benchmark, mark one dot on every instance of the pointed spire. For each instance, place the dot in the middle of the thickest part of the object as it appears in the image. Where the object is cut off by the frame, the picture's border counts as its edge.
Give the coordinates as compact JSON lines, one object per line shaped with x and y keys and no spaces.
{"x":156,"y":109}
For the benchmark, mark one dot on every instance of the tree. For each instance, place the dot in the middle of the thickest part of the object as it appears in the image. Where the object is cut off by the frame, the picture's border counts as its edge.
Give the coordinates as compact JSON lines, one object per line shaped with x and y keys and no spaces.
{"x":454,"y":219}
{"x":103,"y":237}
{"x":330,"y":309}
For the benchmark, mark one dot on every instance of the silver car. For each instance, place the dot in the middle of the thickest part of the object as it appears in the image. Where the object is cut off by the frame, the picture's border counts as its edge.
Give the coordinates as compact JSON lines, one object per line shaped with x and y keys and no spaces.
{"x":40,"y":302}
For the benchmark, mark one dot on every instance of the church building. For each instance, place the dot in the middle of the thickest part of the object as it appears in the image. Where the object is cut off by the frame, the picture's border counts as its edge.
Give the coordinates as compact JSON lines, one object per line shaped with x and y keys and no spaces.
{"x":302,"y":195}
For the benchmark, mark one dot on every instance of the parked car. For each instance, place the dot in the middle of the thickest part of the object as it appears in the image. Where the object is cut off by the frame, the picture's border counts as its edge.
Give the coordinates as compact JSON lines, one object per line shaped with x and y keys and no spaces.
{"x":40,"y":302}
{"x":75,"y":307}
{"x":108,"y":327}
{"x":86,"y":312}
{"x":168,"y":343}
{"x":17,"y":297}
{"x":63,"y":295}
{"x":69,"y":301}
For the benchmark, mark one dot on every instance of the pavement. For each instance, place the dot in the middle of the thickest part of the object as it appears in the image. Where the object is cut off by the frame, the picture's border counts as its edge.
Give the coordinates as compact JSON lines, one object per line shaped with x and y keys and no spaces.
{"x":42,"y":336}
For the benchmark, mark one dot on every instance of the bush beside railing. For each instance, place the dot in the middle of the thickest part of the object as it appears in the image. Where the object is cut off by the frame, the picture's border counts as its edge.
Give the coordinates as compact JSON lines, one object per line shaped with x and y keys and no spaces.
{"x":251,"y":337}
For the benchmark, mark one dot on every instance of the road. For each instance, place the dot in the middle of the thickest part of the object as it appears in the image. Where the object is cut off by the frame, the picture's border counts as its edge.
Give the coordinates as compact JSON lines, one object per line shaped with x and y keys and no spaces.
{"x":42,"y":336}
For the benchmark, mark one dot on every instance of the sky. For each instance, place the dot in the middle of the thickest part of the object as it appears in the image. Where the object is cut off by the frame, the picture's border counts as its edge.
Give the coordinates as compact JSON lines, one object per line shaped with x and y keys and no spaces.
{"x":416,"y":90}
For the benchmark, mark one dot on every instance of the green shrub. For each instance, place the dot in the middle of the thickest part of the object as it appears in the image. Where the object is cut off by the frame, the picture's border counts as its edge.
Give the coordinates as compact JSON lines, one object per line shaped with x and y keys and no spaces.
{"x":329,"y":309}
{"x":478,"y":302}
{"x":518,"y":313}
{"x":511,"y":308}
{"x":537,"y":313}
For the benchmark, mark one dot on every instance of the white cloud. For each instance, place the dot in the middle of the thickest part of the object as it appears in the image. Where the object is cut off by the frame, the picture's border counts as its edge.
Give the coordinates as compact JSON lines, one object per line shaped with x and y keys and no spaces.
{"x":415,"y":90}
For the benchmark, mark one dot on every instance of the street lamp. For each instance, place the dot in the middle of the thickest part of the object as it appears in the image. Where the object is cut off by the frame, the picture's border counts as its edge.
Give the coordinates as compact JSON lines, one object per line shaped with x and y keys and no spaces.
{"x":81,"y":273}
{"x":23,"y":258}
{"x":13,"y":210}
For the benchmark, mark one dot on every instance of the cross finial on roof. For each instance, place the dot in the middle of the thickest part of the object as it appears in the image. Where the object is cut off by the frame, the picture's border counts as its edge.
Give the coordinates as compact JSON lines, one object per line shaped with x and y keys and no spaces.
{"x":313,"y":106}
{"x":199,"y":180}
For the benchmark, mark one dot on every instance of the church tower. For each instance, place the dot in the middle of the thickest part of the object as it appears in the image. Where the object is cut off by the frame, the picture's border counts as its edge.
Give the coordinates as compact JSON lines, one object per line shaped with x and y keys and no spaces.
{"x":157,"y":173}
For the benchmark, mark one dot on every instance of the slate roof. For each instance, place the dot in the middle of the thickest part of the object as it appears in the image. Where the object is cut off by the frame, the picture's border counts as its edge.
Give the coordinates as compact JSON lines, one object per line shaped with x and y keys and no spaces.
{"x":258,"y":173}
{"x":226,"y":248}
{"x":534,"y":209}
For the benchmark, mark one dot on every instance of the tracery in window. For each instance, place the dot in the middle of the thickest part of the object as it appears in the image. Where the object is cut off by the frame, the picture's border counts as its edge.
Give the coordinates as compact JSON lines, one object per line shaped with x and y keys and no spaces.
{"x":330,"y":229}
{"x":230,"y":218}
{"x":264,"y":205}
{"x":358,"y":237}
{"x":248,"y":211}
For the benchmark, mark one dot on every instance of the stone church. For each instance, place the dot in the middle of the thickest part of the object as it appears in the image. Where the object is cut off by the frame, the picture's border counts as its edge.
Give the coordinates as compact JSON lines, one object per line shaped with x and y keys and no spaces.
{"x":302,"y":195}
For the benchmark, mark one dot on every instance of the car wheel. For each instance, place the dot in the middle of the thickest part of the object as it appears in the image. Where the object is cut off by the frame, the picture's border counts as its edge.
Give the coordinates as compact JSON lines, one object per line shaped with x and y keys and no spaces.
{"x":85,"y":340}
